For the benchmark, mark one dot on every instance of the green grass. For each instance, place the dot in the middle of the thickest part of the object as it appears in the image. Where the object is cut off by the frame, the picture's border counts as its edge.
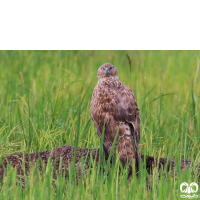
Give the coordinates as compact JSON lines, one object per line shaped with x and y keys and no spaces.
{"x":45,"y":102}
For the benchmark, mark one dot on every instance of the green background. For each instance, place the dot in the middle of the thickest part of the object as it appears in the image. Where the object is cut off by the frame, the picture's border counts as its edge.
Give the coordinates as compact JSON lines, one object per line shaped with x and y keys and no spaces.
{"x":45,"y":101}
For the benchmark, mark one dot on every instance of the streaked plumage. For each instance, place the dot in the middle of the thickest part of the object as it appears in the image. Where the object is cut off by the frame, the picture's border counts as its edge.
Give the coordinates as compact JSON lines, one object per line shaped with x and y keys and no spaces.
{"x":114,"y":102}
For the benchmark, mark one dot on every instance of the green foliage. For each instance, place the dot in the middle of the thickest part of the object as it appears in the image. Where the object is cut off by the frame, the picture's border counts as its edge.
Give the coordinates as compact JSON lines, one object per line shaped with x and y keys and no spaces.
{"x":45,"y":102}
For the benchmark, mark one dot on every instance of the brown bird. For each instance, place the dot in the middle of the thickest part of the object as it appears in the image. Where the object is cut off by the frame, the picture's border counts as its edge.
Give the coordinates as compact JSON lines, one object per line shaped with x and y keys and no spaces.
{"x":114,"y":105}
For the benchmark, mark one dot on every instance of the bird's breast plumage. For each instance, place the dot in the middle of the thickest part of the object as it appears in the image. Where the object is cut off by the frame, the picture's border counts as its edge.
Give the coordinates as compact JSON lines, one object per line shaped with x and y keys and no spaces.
{"x":106,"y":96}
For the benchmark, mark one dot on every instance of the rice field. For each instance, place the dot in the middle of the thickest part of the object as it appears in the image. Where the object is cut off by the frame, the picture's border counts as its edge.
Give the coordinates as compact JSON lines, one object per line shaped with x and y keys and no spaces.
{"x":45,"y":102}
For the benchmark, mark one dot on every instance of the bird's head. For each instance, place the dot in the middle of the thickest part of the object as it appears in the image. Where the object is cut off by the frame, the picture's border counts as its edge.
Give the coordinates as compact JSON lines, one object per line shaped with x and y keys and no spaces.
{"x":107,"y":70}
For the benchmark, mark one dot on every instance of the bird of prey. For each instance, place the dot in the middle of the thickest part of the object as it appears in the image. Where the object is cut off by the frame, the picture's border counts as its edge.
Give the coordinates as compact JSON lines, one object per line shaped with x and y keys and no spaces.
{"x":113,"y":105}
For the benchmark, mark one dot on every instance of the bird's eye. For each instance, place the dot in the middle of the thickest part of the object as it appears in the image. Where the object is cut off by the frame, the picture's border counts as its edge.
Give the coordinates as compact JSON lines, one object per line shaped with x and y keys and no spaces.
{"x":110,"y":68}
{"x":103,"y":68}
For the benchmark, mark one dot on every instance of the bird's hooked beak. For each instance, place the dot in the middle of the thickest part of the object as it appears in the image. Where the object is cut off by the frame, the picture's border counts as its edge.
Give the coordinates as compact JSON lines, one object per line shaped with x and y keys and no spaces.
{"x":107,"y":71}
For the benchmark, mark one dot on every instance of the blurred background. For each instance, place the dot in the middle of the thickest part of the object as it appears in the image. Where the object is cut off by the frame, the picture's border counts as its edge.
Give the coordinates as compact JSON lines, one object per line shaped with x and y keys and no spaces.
{"x":45,"y":99}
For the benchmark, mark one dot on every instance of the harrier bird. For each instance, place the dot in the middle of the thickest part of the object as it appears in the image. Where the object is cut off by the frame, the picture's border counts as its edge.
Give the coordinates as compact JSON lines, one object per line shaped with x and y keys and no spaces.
{"x":114,"y":105}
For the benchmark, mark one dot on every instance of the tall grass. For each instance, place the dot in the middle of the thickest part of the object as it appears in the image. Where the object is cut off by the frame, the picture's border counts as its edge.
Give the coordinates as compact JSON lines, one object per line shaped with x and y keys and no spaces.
{"x":45,"y":102}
